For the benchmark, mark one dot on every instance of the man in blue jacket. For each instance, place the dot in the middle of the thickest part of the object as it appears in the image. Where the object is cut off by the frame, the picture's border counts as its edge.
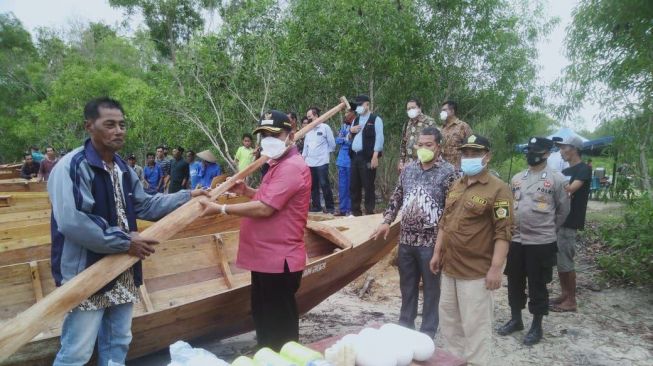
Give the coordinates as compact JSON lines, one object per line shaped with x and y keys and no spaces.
{"x":96,"y":200}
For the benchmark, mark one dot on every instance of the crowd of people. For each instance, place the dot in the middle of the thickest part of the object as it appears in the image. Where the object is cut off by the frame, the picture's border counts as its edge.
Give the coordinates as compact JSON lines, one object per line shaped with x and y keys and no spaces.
{"x":462,"y":228}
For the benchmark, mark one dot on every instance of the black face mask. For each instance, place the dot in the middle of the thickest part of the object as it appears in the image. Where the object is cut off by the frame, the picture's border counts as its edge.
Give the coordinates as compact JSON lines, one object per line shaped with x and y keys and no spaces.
{"x":533,"y":158}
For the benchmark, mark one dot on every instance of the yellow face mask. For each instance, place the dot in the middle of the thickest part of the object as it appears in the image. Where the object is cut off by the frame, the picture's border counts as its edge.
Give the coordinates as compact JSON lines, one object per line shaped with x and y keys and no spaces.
{"x":425,"y":155}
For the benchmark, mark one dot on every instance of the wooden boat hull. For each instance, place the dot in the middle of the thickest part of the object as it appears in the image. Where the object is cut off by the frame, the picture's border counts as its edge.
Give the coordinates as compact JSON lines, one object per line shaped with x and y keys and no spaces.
{"x":189,"y":314}
{"x":22,"y":185}
{"x":25,"y":236}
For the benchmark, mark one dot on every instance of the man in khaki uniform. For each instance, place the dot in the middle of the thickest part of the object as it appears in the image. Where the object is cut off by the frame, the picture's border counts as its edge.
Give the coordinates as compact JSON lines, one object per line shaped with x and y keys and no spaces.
{"x":540,"y":207}
{"x":471,"y":248}
{"x":454,"y":133}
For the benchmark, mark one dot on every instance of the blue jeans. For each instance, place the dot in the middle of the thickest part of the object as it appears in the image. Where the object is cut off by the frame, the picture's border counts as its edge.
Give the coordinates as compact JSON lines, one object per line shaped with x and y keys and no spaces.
{"x":112,"y":328}
{"x":320,"y":180}
{"x":343,"y":189}
{"x":414,"y":264}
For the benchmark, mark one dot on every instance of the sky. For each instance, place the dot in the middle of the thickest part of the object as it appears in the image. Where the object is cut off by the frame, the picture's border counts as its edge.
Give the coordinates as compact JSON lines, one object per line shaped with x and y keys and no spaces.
{"x":60,"y":13}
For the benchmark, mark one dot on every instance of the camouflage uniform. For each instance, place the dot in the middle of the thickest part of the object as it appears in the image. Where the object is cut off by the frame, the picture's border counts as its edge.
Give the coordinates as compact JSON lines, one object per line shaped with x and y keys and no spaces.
{"x":454,"y":134}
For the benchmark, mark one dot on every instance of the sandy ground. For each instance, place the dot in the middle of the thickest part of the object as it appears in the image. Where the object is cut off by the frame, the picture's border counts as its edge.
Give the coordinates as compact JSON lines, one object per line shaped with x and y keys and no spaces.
{"x":613,"y":325}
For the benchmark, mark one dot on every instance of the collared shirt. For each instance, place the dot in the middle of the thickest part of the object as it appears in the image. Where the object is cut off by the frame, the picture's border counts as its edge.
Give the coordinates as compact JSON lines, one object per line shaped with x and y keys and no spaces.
{"x":46,"y":167}
{"x":343,"y":159}
{"x":267,"y":243}
{"x":207,"y":173}
{"x":318,"y":145}
{"x":178,"y":173}
{"x":27,"y":170}
{"x":420,"y":195}
{"x":540,"y":206}
{"x":357,"y":143}
{"x":164,"y":164}
{"x":454,"y":134}
{"x":152,"y":175}
{"x":245,"y":156}
{"x":124,"y":291}
{"x":410,"y":135}
{"x":474,"y":218}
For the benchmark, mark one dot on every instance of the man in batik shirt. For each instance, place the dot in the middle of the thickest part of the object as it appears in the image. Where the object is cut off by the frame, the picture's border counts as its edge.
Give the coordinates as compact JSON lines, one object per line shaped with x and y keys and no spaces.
{"x":419,"y":195}
{"x":454,"y":133}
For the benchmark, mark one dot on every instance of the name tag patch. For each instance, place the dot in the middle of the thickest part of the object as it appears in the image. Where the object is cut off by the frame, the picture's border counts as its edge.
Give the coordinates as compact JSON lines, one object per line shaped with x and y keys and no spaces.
{"x":479,"y":200}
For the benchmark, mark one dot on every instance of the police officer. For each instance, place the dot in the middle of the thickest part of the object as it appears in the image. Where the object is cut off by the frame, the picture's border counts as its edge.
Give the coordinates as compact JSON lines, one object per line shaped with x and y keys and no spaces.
{"x":540,"y":207}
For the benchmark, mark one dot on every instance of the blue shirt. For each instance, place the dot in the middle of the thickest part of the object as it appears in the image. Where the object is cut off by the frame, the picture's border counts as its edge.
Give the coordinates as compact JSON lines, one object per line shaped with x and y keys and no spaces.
{"x":195,"y":168}
{"x":207,"y":174}
{"x":357,"y":144}
{"x":343,"y":155}
{"x":318,"y":144}
{"x":152,"y":175}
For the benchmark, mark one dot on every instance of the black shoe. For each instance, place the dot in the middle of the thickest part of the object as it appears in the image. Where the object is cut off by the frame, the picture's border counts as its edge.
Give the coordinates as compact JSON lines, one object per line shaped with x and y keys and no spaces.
{"x":533,"y":336}
{"x":511,"y":326}
{"x":315,"y":210}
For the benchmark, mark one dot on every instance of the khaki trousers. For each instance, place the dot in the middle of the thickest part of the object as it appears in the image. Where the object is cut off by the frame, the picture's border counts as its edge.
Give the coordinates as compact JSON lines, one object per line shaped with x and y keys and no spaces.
{"x":466,"y":317}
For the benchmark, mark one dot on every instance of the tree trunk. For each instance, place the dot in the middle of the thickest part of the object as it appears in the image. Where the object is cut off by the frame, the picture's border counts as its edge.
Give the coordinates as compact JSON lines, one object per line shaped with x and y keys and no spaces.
{"x":646,"y":179}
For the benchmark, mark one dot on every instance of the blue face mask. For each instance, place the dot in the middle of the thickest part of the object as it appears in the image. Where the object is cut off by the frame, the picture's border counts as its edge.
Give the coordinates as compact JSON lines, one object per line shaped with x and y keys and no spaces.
{"x":472,"y":166}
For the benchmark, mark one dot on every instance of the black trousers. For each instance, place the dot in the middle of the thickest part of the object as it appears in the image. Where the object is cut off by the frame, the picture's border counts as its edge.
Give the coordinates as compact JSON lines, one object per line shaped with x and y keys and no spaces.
{"x":274,"y":308}
{"x":362,"y":178}
{"x":535,"y":264}
{"x":320,"y":180}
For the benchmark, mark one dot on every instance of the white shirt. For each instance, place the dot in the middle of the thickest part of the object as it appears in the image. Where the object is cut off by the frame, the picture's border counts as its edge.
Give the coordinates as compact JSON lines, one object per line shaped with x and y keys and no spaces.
{"x":318,"y":144}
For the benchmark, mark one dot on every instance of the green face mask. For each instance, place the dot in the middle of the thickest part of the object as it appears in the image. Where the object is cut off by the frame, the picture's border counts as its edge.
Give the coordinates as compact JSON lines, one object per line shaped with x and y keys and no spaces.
{"x":425,"y":155}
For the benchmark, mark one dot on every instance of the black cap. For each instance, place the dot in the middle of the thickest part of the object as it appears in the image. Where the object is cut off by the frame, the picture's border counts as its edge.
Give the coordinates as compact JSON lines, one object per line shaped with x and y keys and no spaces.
{"x":273,"y":121}
{"x":131,"y":157}
{"x":476,"y":142}
{"x":361,"y":99}
{"x":539,"y":144}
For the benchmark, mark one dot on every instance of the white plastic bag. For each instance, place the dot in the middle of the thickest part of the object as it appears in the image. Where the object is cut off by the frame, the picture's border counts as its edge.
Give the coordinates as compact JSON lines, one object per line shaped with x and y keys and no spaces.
{"x":182,"y":354}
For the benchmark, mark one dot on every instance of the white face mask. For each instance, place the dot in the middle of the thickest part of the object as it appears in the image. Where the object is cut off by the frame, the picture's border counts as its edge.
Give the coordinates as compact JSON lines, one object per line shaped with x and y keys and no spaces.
{"x":360,"y":109}
{"x":273,"y":147}
{"x":412,"y":113}
{"x":444,"y":115}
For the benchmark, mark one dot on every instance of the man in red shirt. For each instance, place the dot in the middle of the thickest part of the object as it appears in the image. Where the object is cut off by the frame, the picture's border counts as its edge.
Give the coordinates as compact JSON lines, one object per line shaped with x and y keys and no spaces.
{"x":272,"y":232}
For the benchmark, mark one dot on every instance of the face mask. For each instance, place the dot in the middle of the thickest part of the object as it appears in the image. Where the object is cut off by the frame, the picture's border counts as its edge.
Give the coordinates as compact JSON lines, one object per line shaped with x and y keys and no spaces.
{"x":533,"y":158}
{"x":412,"y":113}
{"x":444,"y":115}
{"x":273,"y":147}
{"x":472,"y":166}
{"x":360,"y":109}
{"x":425,"y":155}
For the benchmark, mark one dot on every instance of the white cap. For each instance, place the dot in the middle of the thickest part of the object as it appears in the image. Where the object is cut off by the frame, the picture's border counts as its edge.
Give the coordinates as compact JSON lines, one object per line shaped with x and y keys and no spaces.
{"x":572,"y":140}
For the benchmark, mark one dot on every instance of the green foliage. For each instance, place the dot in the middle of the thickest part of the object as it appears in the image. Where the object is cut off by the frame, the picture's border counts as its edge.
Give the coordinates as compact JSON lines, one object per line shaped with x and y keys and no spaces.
{"x":609,"y":46}
{"x":630,"y":243}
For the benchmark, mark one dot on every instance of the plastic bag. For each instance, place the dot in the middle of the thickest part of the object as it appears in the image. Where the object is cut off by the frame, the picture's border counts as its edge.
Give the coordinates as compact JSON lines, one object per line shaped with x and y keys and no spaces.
{"x":182,"y":354}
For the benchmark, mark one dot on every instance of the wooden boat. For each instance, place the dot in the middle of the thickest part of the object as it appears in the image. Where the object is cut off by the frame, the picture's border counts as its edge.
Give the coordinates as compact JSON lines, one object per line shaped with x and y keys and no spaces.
{"x":193,"y":288}
{"x":22,"y":185}
{"x":10,"y":171}
{"x":25,"y":235}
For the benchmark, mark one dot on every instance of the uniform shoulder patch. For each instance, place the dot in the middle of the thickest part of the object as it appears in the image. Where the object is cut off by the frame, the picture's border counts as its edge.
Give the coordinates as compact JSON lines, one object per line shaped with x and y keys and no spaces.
{"x":501,"y":209}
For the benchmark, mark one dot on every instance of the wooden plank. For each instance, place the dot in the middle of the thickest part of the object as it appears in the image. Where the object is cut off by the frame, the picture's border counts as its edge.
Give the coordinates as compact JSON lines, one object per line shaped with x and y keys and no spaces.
{"x":145,"y":298}
{"x":24,"y":216}
{"x":36,"y":280}
{"x":223,"y":262}
{"x":183,"y":279}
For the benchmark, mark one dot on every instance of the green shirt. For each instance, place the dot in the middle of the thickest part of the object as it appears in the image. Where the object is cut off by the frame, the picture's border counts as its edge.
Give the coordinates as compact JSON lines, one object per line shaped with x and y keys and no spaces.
{"x":244,"y":156}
